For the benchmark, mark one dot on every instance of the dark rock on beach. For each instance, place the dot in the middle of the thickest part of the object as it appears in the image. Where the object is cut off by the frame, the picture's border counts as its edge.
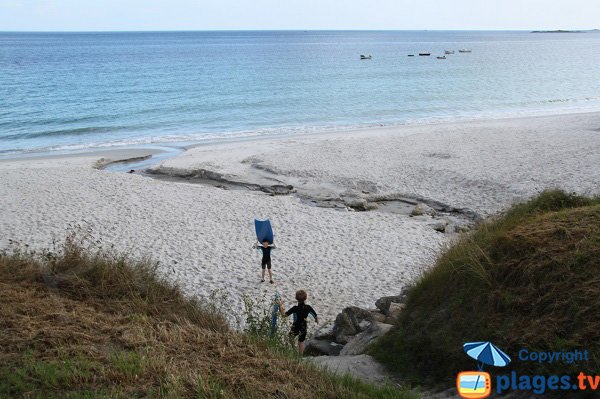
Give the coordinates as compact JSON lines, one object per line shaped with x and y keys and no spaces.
{"x":394,"y":312}
{"x":358,"y":344}
{"x":322,"y":347}
{"x":423,"y":209}
{"x":278,"y":189}
{"x":355,"y":328}
{"x":383,"y":303}
{"x":351,"y":321}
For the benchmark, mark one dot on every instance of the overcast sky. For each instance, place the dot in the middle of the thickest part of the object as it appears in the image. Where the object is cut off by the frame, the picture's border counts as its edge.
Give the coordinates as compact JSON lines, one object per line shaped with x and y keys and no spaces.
{"x":94,"y":15}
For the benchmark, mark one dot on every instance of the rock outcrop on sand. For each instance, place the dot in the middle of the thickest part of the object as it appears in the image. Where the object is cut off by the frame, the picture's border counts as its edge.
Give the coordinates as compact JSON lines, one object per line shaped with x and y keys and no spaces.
{"x":355,"y":328}
{"x":341,"y":346}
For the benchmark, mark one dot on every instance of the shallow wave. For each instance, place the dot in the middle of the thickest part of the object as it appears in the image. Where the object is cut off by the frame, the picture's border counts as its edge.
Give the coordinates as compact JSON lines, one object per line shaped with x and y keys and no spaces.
{"x":216,"y":137}
{"x":570,"y":100}
{"x":67,"y":132}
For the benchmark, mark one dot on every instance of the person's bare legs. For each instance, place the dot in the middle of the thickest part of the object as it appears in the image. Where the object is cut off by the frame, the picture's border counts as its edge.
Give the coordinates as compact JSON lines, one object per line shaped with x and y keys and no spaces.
{"x":263,"y":274}
{"x":301,"y":347}
{"x":270,"y":275}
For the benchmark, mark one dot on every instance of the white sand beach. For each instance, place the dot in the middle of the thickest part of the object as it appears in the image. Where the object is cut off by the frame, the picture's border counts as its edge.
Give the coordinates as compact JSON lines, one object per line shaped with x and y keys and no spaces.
{"x":202,"y":234}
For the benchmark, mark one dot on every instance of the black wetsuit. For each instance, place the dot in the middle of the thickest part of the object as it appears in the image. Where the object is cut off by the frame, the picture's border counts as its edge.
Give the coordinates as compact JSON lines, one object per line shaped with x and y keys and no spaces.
{"x":266,"y":256}
{"x":301,"y":313}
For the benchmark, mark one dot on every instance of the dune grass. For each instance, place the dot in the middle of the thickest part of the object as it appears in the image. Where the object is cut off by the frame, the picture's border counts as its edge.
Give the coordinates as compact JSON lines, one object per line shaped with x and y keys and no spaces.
{"x":83,"y":323}
{"x":527,"y":279}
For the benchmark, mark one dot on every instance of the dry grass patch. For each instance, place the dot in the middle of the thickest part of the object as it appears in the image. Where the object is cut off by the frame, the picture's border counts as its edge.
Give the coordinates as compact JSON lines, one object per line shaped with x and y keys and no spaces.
{"x":86,"y":324}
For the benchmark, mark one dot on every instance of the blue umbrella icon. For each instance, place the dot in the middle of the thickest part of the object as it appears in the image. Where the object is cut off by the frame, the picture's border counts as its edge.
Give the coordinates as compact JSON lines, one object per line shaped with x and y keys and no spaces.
{"x":486,"y":353}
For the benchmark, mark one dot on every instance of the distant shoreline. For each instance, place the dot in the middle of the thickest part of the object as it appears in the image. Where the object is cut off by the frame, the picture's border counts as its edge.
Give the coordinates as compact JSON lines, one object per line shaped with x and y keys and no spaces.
{"x":300,"y":30}
{"x":558,"y":31}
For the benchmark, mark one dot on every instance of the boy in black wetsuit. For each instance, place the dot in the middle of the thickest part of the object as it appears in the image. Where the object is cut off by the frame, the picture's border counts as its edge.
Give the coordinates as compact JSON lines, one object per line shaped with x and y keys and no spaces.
{"x":266,"y":258}
{"x":301,"y":313}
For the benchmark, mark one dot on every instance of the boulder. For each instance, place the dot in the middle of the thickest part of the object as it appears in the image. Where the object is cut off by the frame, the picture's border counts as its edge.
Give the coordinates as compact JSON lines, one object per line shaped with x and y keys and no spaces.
{"x":359,"y":204}
{"x":322,"y":347}
{"x":364,"y":324}
{"x":383,"y":303}
{"x":423,"y":209}
{"x":371,"y":206}
{"x":278,"y":189}
{"x":440,"y":226}
{"x":363,"y":367}
{"x":325,"y":332}
{"x":358,"y":344}
{"x":351,"y":321}
{"x":378,"y":316}
{"x":394,"y":312}
{"x":395,"y":309}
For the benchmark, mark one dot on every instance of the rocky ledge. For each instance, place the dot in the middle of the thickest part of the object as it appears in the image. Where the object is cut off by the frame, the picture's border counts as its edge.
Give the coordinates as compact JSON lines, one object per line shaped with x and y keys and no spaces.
{"x":354,"y":329}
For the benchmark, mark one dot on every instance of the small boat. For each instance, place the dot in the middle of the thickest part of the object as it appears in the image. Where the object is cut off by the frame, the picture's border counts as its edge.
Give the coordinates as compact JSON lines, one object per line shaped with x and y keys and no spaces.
{"x":464,"y":51}
{"x":449,"y":52}
{"x":441,"y":57}
{"x":411,"y":55}
{"x":424,"y":54}
{"x":365,"y":57}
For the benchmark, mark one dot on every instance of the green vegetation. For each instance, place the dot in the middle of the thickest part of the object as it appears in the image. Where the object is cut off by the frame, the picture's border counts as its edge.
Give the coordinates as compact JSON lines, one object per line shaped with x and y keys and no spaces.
{"x":528,"y":279}
{"x":80,"y":323}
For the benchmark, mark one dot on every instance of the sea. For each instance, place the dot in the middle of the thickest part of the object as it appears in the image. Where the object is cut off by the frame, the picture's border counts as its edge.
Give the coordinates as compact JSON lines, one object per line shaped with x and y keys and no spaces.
{"x":80,"y":91}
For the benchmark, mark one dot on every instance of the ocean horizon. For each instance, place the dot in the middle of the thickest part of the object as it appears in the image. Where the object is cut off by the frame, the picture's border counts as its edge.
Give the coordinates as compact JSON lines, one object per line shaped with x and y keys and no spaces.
{"x":65,"y":91}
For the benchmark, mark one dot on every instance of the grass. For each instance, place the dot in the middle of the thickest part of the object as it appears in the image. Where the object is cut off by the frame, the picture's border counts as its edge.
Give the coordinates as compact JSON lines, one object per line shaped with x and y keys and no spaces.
{"x":527,"y":279}
{"x":81,"y":322}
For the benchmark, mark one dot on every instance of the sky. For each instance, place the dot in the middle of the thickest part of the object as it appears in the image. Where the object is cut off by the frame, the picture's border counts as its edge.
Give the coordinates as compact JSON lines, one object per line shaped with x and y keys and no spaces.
{"x":109,"y":15}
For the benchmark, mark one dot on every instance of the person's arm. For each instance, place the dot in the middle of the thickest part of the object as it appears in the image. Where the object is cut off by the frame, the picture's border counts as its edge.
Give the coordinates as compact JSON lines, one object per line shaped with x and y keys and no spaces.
{"x":283,"y":312}
{"x":281,"y":309}
{"x":273,"y":246}
{"x":314,"y":314}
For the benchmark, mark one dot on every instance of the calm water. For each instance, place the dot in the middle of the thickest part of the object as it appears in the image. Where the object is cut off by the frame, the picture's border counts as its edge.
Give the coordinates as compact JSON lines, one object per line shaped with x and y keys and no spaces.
{"x":77,"y":90}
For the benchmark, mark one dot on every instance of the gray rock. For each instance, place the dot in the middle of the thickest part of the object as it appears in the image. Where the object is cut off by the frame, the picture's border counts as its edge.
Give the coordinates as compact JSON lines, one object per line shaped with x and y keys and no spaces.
{"x":394,"y":312}
{"x":322,"y":347}
{"x":423,"y":209}
{"x":343,"y":328}
{"x":371,"y":206}
{"x":324,"y":332}
{"x":363,"y":367}
{"x":383,"y":303}
{"x":359,"y":204}
{"x":440,"y":226}
{"x":351,"y":321}
{"x":358,"y":344}
{"x":378,"y":316}
{"x":278,"y":189}
{"x":364,"y":324}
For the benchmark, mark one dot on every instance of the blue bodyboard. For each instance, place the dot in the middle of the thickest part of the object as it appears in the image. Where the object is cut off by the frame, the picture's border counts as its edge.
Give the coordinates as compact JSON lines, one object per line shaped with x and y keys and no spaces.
{"x":263,"y":230}
{"x":275,"y":314}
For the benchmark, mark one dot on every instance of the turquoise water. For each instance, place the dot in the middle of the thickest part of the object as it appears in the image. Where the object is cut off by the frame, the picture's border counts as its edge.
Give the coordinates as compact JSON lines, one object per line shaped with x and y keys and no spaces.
{"x":69,"y":91}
